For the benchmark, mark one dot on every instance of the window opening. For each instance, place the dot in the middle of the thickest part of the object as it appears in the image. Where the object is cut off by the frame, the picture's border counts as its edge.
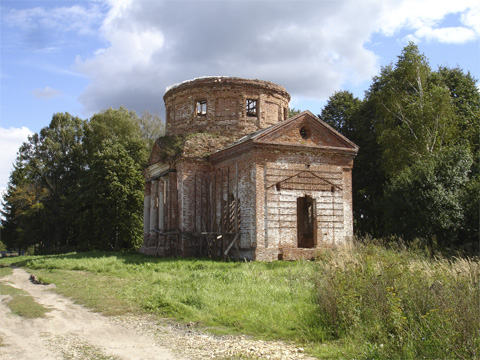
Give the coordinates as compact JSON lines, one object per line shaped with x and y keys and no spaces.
{"x":201,"y":107}
{"x":306,"y":222}
{"x":304,"y":132}
{"x":251,"y":107}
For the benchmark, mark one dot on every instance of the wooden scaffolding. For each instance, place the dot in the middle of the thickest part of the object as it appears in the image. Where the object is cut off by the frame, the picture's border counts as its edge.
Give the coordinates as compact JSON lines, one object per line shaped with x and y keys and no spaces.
{"x":216,"y":219}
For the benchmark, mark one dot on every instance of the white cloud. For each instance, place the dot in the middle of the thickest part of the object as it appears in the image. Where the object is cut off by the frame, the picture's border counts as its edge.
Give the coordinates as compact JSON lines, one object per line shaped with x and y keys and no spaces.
{"x":75,"y":18}
{"x":308,"y":47}
{"x":471,"y":18}
{"x":415,"y":14}
{"x":311,"y":47}
{"x":48,"y":29}
{"x":46,"y":93}
{"x":424,"y":18}
{"x":10,"y":141}
{"x":449,"y":35}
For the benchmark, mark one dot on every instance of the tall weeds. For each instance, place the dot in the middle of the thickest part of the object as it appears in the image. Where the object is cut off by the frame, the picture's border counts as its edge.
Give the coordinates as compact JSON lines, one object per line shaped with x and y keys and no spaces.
{"x":359,"y":301}
{"x":398,"y":304}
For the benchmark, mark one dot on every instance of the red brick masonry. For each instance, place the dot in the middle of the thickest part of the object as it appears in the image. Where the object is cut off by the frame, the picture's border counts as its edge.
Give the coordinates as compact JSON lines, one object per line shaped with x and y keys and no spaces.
{"x":283,"y":190}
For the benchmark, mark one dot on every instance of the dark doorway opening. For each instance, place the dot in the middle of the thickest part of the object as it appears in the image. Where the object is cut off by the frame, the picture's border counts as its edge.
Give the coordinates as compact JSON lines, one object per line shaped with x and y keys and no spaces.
{"x":306,"y":222}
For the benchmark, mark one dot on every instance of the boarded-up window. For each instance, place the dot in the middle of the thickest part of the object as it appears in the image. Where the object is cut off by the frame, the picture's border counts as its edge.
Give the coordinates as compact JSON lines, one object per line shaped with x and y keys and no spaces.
{"x":306,"y":222}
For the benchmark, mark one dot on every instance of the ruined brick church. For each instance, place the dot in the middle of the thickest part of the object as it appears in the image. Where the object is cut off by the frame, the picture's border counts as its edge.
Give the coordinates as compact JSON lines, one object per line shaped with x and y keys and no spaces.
{"x":235,"y":177}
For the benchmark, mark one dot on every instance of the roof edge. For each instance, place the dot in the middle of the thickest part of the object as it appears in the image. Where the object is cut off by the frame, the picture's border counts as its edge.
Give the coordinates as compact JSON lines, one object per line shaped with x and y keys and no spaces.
{"x":221,"y":80}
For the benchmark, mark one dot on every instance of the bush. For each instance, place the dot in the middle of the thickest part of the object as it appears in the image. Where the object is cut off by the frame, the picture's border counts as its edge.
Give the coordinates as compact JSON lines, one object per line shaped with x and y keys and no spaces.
{"x":399,"y":304}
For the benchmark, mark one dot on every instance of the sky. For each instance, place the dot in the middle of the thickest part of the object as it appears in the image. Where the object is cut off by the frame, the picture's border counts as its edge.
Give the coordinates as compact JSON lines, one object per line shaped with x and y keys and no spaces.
{"x":84,"y":56}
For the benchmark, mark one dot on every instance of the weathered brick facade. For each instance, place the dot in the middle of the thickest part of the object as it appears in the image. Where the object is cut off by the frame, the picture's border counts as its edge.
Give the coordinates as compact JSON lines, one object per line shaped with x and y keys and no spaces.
{"x":264,"y":187}
{"x":224,"y":106}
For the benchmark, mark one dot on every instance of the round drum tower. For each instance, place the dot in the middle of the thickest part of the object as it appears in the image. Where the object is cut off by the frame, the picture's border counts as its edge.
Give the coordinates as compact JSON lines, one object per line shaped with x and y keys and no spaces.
{"x":224,"y":105}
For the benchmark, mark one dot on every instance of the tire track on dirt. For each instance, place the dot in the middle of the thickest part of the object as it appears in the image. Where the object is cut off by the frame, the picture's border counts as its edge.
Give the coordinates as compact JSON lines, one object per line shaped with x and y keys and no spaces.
{"x":68,"y":331}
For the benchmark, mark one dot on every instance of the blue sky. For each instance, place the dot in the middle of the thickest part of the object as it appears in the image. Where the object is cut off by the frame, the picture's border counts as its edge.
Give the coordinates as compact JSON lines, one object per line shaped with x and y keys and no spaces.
{"x":84,"y":56}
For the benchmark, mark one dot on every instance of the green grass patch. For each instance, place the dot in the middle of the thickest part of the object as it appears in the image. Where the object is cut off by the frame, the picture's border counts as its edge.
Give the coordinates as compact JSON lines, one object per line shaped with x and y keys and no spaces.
{"x":99,"y":292}
{"x":5,"y":271}
{"x":363,"y":301}
{"x":268,"y":300}
{"x":21,"y":303}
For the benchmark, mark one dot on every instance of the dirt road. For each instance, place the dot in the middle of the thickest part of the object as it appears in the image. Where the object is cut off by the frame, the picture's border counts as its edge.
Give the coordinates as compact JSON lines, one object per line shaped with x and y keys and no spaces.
{"x":72,"y":332}
{"x":69,"y":331}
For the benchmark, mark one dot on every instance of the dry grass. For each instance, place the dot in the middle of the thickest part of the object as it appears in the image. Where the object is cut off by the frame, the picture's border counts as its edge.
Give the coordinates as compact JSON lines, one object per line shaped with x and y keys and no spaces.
{"x":399,"y":304}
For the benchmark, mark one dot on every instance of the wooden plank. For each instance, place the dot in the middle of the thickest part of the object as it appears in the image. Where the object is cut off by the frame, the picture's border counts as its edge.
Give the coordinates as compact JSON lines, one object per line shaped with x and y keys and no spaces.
{"x":236,"y":208}
{"x":297,"y":168}
{"x":222,"y":205}
{"x":201,"y":203}
{"x":231,"y":244}
{"x":195,"y":213}
{"x":178,"y":205}
{"x":195,"y":202}
{"x":236,"y":197}
{"x":281,"y":227}
{"x":227,"y":213}
{"x":215,"y":225}
{"x":265,"y":205}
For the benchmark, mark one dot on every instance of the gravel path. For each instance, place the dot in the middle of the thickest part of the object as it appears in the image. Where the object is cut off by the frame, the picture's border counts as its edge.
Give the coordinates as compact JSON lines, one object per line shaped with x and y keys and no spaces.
{"x":70,"y":331}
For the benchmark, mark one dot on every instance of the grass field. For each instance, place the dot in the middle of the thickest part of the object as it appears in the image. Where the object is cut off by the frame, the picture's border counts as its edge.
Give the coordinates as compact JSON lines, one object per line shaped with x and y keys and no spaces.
{"x":20,"y":303}
{"x":5,"y":270}
{"x":362,"y":302}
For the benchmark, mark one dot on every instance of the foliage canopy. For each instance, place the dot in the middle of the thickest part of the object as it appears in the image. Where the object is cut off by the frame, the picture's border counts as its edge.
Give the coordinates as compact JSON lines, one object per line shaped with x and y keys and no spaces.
{"x":416,"y":174}
{"x":78,"y":184}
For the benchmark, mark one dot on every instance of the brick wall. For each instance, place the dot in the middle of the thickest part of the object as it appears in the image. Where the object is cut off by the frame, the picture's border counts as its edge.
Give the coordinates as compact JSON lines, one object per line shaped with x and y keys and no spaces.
{"x":283,"y":195}
{"x":280,"y":181}
{"x":226,"y":110}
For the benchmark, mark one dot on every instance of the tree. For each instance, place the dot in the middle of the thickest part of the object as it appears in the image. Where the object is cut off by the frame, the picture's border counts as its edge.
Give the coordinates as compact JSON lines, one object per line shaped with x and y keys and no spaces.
{"x":413,"y":114}
{"x":339,"y":111}
{"x":354,"y":119}
{"x":25,"y":223}
{"x":466,"y":100}
{"x":470,"y":202}
{"x":113,"y":198}
{"x":293,"y":112}
{"x":425,"y":199}
{"x":151,"y":127}
{"x":413,"y":125}
{"x":78,"y":185}
{"x":110,"y":194}
{"x":37,"y":200}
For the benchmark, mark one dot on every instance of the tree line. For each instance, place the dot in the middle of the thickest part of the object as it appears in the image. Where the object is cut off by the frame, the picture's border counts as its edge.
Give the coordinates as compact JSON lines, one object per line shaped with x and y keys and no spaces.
{"x":78,"y":184}
{"x":416,"y":175}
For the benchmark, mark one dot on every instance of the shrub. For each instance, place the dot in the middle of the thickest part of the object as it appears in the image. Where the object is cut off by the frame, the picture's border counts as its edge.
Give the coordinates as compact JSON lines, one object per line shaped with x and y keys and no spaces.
{"x":399,"y":304}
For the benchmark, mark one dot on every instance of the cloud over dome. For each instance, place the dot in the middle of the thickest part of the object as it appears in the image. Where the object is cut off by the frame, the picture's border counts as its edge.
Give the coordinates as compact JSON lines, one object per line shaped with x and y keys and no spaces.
{"x":309,"y":47}
{"x":312,"y":48}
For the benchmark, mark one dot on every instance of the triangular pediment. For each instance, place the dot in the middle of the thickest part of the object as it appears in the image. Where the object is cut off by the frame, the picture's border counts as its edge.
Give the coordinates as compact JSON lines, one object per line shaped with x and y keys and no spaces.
{"x":305,"y":129}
